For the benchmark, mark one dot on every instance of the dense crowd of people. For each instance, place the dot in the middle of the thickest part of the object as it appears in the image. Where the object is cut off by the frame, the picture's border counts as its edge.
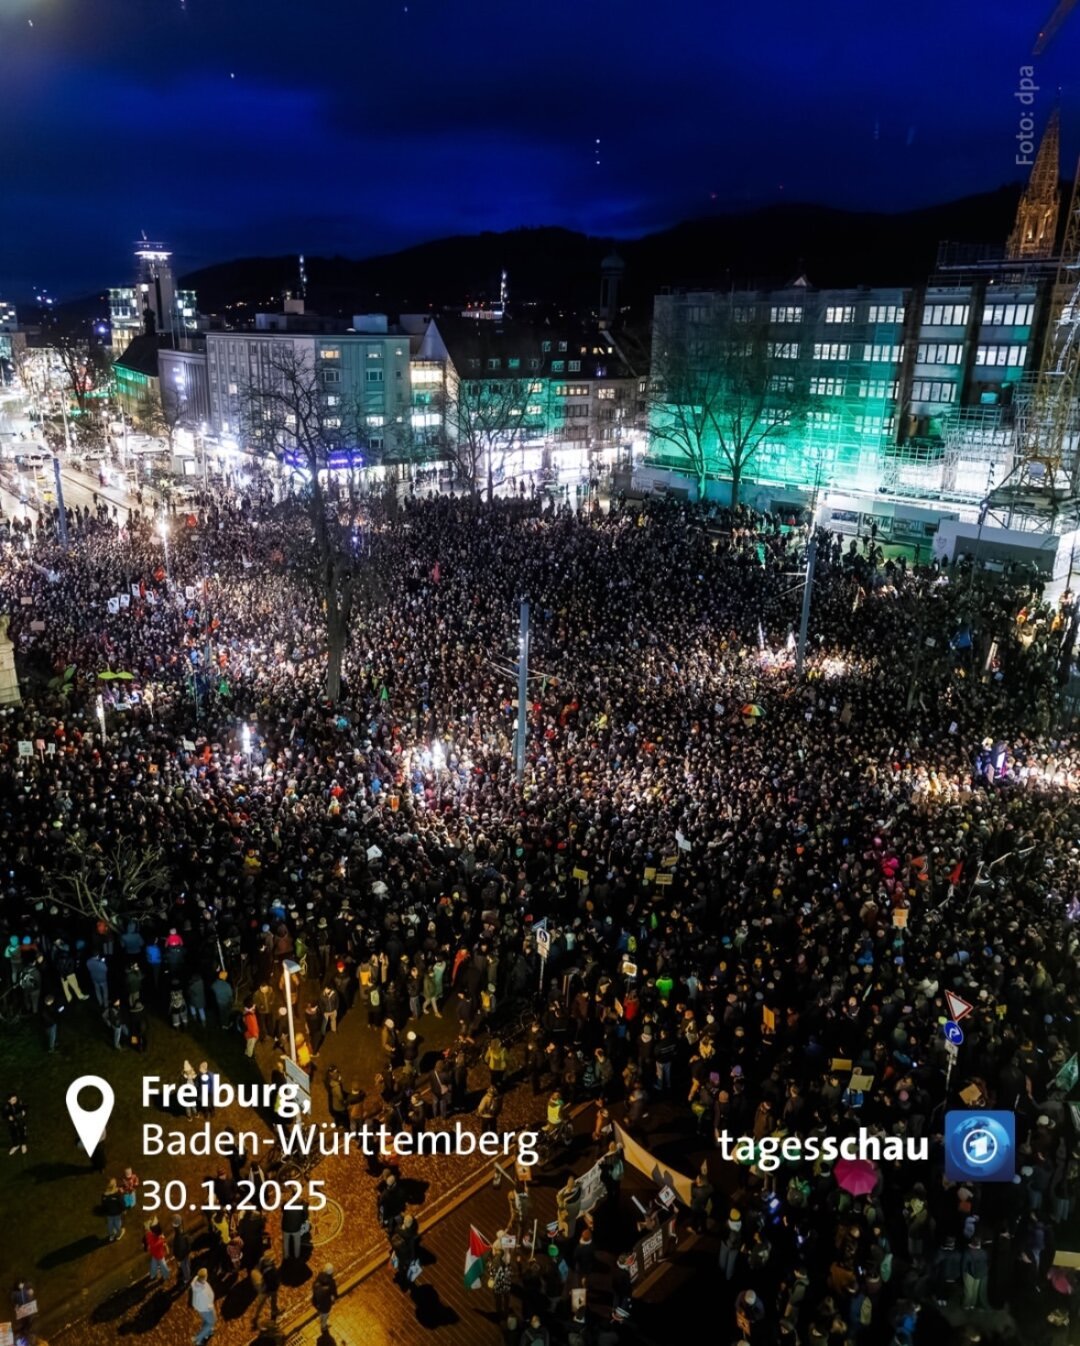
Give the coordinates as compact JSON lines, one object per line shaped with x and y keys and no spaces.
{"x":752,"y":886}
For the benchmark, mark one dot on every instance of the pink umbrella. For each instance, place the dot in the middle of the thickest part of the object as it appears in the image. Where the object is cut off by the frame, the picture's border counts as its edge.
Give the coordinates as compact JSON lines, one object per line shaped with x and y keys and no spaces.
{"x":857,"y":1176}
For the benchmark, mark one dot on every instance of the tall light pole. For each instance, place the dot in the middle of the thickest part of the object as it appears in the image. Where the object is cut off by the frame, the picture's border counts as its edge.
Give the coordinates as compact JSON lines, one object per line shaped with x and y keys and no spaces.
{"x":804,"y":621}
{"x":61,"y":511}
{"x":291,"y":969}
{"x":163,"y":529}
{"x":523,"y":691}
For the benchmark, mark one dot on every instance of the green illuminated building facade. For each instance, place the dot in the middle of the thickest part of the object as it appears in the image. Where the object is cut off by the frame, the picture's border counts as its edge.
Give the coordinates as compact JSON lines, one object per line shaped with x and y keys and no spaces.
{"x":902,"y":391}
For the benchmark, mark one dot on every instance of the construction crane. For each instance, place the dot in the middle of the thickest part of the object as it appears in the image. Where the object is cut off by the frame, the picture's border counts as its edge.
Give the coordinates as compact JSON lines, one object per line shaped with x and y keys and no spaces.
{"x":1050,"y":28}
{"x":1044,"y":434}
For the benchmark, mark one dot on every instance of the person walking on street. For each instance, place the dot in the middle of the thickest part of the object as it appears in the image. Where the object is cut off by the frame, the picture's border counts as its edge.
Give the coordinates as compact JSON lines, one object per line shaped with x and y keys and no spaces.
{"x":267,"y":1284}
{"x":15,"y":1117}
{"x":155,"y":1245}
{"x":251,"y":1030}
{"x":112,"y":1203}
{"x":293,"y":1219}
{"x":202,"y":1301}
{"x":323,"y":1294}
{"x":975,"y":1271}
{"x":181,"y":1250}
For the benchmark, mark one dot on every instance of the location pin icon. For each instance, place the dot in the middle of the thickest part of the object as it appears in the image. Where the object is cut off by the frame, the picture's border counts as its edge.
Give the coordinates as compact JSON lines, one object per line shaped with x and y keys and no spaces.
{"x":90,"y":1123}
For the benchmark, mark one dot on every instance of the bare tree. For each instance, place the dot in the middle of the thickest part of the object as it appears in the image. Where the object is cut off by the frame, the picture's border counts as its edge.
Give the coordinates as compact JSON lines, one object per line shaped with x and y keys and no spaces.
{"x":288,"y":417}
{"x":108,"y":885}
{"x":162,"y":414}
{"x":482,"y":420}
{"x":721,"y":388}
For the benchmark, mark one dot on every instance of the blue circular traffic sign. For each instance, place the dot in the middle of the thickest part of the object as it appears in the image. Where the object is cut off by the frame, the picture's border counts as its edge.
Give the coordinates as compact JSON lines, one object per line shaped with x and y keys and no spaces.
{"x":953,"y":1033}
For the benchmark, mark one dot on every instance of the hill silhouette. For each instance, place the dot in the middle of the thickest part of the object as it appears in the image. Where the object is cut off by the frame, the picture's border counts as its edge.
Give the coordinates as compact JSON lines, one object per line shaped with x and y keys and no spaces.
{"x":554,"y":267}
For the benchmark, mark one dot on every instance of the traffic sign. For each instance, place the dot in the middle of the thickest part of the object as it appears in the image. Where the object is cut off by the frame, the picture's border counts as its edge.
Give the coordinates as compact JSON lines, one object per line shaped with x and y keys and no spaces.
{"x":954,"y":1033}
{"x":958,"y":1006}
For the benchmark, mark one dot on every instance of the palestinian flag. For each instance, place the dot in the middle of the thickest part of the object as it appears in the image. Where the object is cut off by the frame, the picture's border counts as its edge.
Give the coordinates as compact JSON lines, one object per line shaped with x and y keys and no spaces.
{"x":477,"y":1250}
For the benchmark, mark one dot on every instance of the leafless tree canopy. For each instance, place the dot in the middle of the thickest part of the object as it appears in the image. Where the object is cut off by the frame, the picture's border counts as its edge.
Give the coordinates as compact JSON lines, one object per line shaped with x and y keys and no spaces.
{"x":113,"y":886}
{"x":482,"y":422}
{"x":286,"y":417}
{"x":720,"y":389}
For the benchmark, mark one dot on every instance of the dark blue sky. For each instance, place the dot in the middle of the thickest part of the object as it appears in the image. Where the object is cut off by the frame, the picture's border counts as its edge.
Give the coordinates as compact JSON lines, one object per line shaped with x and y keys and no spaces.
{"x":232,"y":127}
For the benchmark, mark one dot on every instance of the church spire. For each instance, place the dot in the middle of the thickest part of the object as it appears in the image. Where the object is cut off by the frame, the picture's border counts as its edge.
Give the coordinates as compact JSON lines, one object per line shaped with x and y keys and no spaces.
{"x":1035,"y":229}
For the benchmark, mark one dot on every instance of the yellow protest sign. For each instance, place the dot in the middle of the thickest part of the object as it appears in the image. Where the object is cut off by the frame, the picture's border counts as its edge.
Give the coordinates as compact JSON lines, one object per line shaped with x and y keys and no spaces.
{"x":580,"y":874}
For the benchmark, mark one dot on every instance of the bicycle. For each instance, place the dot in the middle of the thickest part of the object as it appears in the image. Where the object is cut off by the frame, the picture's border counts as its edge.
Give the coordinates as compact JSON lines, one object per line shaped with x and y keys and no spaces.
{"x":553,"y":1141}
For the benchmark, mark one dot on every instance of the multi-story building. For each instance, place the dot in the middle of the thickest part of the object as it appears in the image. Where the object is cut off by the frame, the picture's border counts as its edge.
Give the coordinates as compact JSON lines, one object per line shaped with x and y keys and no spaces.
{"x":570,"y":397}
{"x":185,"y":388}
{"x":175,"y":311}
{"x":908,"y":394}
{"x":361,"y":375}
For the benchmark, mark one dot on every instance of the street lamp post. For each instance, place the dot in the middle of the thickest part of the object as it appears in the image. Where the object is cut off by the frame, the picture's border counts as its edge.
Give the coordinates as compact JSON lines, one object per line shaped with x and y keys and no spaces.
{"x":163,"y":529}
{"x":61,"y":511}
{"x":804,"y":621}
{"x":523,"y":691}
{"x":291,"y":969}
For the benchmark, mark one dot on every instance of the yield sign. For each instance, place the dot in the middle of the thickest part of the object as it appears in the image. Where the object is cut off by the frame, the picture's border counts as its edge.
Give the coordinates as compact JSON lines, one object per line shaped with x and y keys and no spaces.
{"x":958,"y":1007}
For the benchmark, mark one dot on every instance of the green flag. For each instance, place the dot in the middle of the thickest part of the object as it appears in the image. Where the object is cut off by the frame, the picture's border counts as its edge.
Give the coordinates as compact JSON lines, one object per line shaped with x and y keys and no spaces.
{"x":384,"y":695}
{"x":1068,"y":1074}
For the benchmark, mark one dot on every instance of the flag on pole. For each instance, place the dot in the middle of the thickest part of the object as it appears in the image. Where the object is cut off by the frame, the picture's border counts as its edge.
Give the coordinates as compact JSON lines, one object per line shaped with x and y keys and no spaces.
{"x":1068,"y":1074}
{"x":477,"y":1250}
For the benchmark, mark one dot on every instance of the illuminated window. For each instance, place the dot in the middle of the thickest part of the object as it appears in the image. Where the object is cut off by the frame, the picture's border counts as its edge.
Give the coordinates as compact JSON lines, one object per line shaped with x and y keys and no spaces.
{"x":783,"y":350}
{"x":557,"y":366}
{"x":513,"y":363}
{"x":606,"y":394}
{"x":332,"y":422}
{"x":827,"y":387}
{"x":1008,"y":315}
{"x":786,"y":313}
{"x":330,"y":353}
{"x":933,"y":390}
{"x":779,"y":383}
{"x":1001,"y":355}
{"x":883,"y":354}
{"x":831,"y":350}
{"x":841,"y":313}
{"x":939,"y":353}
{"x":545,"y":346}
{"x":946,"y":315}
{"x":562,"y":345}
{"x":886,"y":313}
